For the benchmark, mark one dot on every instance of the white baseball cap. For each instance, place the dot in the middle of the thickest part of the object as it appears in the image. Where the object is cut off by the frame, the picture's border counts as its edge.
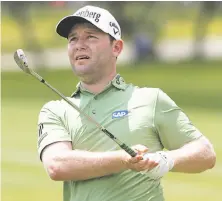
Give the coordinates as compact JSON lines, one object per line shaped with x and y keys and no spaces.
{"x":99,"y":17}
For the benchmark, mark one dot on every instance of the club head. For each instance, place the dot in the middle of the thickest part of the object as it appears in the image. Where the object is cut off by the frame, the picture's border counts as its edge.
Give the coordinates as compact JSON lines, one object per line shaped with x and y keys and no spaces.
{"x":21,"y":60}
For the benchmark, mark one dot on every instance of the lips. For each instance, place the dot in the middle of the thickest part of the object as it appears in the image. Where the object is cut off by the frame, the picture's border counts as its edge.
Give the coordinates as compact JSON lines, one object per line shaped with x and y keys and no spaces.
{"x":81,"y":57}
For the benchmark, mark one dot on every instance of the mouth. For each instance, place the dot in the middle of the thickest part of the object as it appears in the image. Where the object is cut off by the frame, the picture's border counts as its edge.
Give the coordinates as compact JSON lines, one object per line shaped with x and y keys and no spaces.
{"x":82,"y":57}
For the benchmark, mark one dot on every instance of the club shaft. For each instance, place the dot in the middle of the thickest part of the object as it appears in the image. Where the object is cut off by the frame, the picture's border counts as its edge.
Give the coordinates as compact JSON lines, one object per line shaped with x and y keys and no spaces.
{"x":121,"y":144}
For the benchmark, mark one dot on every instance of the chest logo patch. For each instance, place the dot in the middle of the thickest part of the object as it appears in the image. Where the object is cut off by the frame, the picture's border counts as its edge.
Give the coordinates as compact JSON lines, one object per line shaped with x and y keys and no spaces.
{"x":119,"y":114}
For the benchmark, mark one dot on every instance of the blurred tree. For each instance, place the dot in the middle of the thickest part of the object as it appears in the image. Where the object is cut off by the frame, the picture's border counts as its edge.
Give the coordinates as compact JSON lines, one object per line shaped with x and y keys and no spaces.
{"x":19,"y":11}
{"x":206,"y":13}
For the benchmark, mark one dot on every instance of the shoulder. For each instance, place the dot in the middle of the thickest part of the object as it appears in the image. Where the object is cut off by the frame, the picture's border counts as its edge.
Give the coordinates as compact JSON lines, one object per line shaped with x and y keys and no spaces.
{"x":143,"y":96}
{"x":151,"y":93}
{"x":58,"y":107}
{"x":146,"y":92}
{"x":50,"y":110}
{"x":164,"y":102}
{"x":53,"y":105}
{"x":155,"y":95}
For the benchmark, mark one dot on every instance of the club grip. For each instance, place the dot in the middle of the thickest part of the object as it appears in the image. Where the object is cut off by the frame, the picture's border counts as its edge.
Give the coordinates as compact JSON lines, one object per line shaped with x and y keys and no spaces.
{"x":128,"y":150}
{"x":122,"y":145}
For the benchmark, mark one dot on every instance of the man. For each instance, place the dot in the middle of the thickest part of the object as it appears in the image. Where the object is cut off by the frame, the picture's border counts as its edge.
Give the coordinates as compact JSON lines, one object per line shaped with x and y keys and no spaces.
{"x":91,"y":165}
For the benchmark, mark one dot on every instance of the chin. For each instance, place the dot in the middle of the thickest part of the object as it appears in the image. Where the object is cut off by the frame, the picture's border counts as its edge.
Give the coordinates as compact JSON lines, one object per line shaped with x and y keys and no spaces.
{"x":81,"y":70}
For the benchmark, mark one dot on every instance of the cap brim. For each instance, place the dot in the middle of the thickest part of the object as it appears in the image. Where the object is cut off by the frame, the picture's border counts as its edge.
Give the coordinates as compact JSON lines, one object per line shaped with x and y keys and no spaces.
{"x":65,"y":25}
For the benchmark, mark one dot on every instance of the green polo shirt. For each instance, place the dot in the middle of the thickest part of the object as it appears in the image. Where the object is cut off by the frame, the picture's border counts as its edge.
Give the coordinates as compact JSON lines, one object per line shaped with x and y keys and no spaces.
{"x":134,"y":115}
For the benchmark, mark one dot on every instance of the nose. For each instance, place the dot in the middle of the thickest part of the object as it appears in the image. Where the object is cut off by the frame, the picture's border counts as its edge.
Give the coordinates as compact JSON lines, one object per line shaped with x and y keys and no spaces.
{"x":80,"y":44}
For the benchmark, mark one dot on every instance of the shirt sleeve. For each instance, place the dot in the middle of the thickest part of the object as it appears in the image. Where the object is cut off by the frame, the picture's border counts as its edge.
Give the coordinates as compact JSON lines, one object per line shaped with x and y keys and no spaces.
{"x":51,"y":128}
{"x":173,"y":126}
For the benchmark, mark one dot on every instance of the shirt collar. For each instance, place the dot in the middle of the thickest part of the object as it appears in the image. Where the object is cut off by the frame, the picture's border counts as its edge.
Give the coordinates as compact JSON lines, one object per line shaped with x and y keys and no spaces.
{"x":118,"y":82}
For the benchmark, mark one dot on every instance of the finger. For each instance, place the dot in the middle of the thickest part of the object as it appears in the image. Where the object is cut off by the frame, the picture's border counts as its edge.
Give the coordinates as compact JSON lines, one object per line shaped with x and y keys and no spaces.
{"x":136,"y":159}
{"x":145,"y":164}
{"x":140,"y":148}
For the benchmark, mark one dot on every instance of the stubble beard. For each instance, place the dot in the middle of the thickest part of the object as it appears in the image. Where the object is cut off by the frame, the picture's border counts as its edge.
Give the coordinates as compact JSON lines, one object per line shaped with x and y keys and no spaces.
{"x":87,"y":75}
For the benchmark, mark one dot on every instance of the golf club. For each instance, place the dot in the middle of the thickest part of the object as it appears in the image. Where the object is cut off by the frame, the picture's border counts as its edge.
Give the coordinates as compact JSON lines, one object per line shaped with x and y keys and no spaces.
{"x":22,"y":62}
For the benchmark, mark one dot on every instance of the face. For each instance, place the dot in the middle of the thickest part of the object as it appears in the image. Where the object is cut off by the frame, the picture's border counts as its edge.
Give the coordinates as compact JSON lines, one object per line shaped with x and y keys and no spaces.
{"x":91,"y":52}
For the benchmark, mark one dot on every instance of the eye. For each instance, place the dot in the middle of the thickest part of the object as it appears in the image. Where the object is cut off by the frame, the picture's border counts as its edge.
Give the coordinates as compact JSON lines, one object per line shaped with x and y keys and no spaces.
{"x":91,"y":36}
{"x":72,"y":39}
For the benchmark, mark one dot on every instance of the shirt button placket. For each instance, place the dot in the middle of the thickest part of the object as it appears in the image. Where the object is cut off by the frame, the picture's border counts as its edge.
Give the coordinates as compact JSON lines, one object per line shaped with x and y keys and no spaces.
{"x":93,"y":109}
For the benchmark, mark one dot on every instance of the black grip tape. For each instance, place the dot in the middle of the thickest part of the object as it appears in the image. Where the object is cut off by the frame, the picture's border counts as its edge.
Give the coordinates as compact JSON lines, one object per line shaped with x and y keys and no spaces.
{"x":128,"y":150}
{"x":123,"y":146}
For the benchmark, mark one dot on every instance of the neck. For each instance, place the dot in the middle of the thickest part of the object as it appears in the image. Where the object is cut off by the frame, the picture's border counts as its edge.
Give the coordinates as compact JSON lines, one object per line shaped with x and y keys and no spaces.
{"x":100,"y":84}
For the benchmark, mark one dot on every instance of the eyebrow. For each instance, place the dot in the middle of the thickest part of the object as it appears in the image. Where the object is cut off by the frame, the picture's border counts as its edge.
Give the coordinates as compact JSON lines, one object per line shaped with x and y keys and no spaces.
{"x":91,"y":31}
{"x":71,"y":35}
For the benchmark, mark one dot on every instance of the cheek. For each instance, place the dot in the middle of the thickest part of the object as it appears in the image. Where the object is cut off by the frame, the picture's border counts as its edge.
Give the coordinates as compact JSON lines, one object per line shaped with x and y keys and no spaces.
{"x":108,"y":54}
{"x":70,"y":51}
{"x":103,"y":51}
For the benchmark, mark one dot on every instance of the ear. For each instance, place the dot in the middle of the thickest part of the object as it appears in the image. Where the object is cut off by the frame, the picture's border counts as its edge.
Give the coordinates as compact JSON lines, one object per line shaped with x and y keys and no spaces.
{"x":117,"y":47}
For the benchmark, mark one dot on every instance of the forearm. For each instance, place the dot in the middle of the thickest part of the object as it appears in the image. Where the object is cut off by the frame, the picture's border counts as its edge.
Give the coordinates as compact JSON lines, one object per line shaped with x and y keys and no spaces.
{"x":83,"y":165}
{"x":194,"y":157}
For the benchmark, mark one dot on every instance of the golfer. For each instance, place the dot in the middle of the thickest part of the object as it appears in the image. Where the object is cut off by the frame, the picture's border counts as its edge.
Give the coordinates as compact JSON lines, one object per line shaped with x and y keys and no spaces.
{"x":75,"y":151}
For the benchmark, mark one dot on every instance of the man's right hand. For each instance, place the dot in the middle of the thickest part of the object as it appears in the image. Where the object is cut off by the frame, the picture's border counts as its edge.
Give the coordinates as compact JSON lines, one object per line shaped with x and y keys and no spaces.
{"x":138,"y":163}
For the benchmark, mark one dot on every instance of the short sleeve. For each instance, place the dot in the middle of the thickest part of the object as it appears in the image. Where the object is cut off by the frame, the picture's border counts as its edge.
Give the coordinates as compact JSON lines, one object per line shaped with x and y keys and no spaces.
{"x":50,"y":125}
{"x":174,"y":127}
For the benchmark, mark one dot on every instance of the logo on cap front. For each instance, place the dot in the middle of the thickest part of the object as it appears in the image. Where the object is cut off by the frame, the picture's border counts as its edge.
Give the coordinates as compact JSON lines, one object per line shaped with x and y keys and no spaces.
{"x":89,"y":14}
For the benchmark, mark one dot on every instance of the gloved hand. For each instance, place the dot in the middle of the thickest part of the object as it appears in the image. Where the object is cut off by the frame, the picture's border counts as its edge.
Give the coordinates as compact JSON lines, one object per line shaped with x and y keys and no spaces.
{"x":165,"y":164}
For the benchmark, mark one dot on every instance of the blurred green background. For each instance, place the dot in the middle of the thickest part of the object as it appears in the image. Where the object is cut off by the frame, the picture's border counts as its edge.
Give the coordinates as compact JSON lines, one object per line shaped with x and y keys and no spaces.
{"x":195,"y":85}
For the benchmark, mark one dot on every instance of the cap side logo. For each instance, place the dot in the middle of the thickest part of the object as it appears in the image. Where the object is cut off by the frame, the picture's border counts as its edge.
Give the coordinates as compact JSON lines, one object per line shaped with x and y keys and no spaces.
{"x":115,"y":28}
{"x":40,"y":126}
